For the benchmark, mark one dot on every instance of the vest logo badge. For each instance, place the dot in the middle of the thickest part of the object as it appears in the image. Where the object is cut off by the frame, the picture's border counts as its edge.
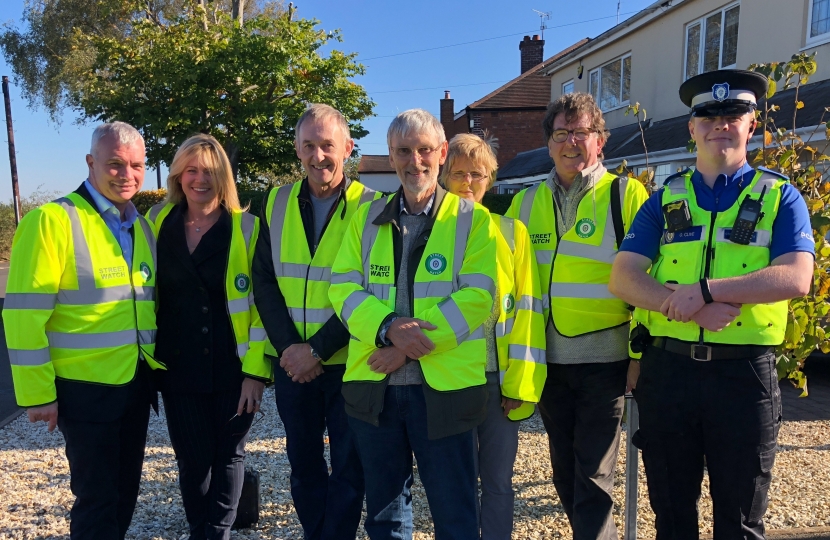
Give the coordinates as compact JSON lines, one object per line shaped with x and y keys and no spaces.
{"x":242,"y":282}
{"x":508,"y":303}
{"x":435,"y":264}
{"x":145,"y":271}
{"x":585,"y":227}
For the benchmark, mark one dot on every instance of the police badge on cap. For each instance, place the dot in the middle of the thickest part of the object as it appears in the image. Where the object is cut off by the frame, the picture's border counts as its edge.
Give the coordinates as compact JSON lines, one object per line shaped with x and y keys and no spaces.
{"x":725,"y":92}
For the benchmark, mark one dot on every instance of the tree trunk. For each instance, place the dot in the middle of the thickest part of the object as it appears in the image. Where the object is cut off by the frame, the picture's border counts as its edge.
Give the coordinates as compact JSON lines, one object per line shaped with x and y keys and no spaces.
{"x":238,"y":11}
{"x":232,"y":150}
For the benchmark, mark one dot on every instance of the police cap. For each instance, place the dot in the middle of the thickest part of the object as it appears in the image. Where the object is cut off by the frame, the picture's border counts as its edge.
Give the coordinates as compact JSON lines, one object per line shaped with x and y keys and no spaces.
{"x":725,"y":92}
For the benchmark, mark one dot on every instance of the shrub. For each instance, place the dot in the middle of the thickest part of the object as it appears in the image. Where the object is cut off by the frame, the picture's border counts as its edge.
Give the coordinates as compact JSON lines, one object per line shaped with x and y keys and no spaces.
{"x":7,"y":224}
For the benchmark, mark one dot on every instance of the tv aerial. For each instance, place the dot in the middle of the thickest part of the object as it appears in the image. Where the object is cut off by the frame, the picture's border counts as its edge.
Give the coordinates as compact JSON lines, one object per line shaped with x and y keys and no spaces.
{"x":543,"y":16}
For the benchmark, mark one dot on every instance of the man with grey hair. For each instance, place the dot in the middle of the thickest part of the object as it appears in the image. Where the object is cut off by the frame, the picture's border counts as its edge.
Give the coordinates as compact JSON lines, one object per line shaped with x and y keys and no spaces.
{"x":80,"y":325}
{"x":307,"y":342}
{"x":413,"y":283}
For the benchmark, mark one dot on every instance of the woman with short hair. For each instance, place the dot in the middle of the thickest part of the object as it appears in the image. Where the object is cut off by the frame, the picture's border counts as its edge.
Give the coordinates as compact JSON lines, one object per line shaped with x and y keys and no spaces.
{"x":209,"y":333}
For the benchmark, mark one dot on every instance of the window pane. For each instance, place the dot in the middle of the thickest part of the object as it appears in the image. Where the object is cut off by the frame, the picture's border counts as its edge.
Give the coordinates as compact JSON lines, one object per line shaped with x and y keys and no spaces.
{"x":626,"y":82}
{"x":610,"y":86}
{"x":820,"y":18}
{"x":692,"y":50}
{"x":711,"y":43}
{"x":568,"y":87}
{"x":730,"y":37}
{"x":594,"y":86}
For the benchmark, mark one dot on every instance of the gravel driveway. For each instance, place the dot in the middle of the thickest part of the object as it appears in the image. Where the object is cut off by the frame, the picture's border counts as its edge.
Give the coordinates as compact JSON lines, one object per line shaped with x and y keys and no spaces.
{"x":34,"y":483}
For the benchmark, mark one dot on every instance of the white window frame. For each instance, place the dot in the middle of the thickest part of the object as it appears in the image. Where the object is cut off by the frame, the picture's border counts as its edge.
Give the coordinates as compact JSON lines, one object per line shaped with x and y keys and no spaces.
{"x":566,"y":83}
{"x":812,"y":41}
{"x":701,"y":46}
{"x":598,"y":71}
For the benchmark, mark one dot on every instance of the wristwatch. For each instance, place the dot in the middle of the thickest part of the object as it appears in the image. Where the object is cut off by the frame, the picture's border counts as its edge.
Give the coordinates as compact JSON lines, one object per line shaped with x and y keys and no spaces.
{"x":314,"y":354}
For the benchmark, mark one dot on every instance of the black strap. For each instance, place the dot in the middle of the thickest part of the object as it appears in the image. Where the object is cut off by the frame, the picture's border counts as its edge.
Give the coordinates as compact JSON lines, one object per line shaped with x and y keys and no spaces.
{"x":616,"y":211}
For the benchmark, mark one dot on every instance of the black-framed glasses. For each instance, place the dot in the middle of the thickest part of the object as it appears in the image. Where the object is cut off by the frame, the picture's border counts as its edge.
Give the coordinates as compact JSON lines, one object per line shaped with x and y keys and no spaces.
{"x":561,"y":135}
{"x":257,"y":419}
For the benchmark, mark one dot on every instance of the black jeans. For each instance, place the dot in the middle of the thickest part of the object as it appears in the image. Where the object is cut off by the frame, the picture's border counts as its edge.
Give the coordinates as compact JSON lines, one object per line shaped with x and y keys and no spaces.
{"x":726,"y":412}
{"x":582,"y":406}
{"x":210,"y":449}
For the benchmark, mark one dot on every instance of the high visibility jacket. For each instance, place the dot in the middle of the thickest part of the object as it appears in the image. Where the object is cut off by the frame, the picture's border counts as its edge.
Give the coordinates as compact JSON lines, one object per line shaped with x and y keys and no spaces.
{"x":453,"y":289}
{"x":303,"y":278}
{"x":73,"y":308}
{"x":520,"y":329}
{"x":247,"y":326}
{"x":704,"y":250}
{"x":575,"y":268}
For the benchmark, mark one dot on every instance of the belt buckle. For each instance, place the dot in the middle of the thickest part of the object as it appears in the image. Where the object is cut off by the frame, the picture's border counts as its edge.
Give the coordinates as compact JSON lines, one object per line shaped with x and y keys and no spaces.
{"x":701,"y":353}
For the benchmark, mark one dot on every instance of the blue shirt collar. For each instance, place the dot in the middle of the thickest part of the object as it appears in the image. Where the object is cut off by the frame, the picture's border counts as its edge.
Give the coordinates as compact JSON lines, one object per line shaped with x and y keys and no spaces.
{"x":725,"y":180}
{"x":105,"y":206}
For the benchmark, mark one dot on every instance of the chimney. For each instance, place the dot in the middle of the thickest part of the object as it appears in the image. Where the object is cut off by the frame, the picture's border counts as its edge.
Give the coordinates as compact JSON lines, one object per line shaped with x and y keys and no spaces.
{"x":532,"y":51}
{"x":447,"y":114}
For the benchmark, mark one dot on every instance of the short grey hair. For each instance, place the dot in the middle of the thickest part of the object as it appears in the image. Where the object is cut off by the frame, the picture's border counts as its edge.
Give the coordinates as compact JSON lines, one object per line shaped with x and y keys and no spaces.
{"x":126,"y":134}
{"x":321,"y":111}
{"x":415,"y":120}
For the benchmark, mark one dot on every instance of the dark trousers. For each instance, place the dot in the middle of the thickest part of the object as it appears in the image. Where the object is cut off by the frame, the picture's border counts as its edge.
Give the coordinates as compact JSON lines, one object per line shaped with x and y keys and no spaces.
{"x":105,"y":460}
{"x":726,"y":412}
{"x":581,"y":407}
{"x":210,"y":449}
{"x":445,"y":465}
{"x":328,"y":505}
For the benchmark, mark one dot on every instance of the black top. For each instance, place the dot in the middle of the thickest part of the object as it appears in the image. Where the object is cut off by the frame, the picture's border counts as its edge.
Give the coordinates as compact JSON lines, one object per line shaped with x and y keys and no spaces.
{"x":195,"y":337}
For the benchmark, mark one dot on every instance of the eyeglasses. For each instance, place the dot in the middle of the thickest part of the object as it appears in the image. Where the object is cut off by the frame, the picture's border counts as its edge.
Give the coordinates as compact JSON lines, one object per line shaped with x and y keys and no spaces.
{"x":475,"y":176}
{"x":561,"y":135}
{"x":405,"y":152}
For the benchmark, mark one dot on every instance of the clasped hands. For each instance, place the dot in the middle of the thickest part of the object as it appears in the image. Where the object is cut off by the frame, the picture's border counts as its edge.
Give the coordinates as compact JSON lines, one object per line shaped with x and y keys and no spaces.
{"x":686,"y":303}
{"x":408,"y":340}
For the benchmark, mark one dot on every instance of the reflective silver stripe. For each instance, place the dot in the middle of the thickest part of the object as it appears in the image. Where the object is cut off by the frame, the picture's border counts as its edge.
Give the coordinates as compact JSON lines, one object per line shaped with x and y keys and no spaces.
{"x":145,"y":294}
{"x":351,"y":303}
{"x":763,"y":238}
{"x":83,"y":297}
{"x":319,"y":273}
{"x":63,"y":340}
{"x":506,"y":228}
{"x":277,"y":224}
{"x":310,"y":315}
{"x":527,"y":204}
{"x":239,"y":305}
{"x":155,"y":211}
{"x":544,"y":256}
{"x":528,"y":354}
{"x":677,"y":186}
{"x":148,"y":234}
{"x":433,"y":289}
{"x":348,"y":277}
{"x":504,"y":327}
{"x":370,"y":234}
{"x":463,"y":226}
{"x":257,"y":334}
{"x":248,"y":222}
{"x":83,"y":260}
{"x":478,"y":333}
{"x":293,"y":270}
{"x":147,"y":337}
{"x":580,"y":290}
{"x":455,"y":318}
{"x":242,"y":349}
{"x":528,"y":303}
{"x":251,"y":301}
{"x":501,"y":376}
{"x":767,"y":180}
{"x":367,"y":195}
{"x":30,"y":301}
{"x":545,"y":301}
{"x":37,"y":357}
{"x":479,"y":281}
{"x":380,"y":291}
{"x":601,"y":254}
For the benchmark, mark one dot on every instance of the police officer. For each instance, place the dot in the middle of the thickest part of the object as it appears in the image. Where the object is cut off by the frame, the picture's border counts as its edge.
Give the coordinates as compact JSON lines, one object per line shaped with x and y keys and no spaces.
{"x":728,"y":245}
{"x":414,"y":283}
{"x":576,"y":219}
{"x":306,"y":222}
{"x":80,"y":324}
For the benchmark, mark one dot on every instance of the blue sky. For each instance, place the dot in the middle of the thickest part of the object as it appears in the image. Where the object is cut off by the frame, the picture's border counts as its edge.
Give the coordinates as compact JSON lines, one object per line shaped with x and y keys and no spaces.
{"x":381,"y":32}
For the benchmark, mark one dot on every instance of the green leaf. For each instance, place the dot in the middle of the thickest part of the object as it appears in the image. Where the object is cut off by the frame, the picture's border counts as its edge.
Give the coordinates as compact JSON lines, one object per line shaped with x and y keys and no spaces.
{"x":771,"y":89}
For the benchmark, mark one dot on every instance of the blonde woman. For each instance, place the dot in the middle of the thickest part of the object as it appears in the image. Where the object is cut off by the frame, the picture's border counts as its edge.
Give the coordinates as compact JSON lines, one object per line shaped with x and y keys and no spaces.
{"x":209,"y":332}
{"x":515,"y":337}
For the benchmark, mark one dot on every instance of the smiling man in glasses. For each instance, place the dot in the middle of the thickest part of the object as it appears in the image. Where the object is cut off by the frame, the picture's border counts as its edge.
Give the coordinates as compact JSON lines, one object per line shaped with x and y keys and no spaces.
{"x":577,"y":219}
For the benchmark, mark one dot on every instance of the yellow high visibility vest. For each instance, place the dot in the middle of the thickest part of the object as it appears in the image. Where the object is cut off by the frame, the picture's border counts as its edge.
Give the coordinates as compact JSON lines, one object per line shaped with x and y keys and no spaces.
{"x":304,"y":280}
{"x":683,"y":255}
{"x":520,"y":329}
{"x":247,"y":326}
{"x":73,"y":308}
{"x":453,"y":289}
{"x":575,"y":269}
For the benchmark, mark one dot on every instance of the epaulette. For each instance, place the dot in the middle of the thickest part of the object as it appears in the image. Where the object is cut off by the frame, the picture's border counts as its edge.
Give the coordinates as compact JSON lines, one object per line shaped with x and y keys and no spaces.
{"x":776,"y":173}
{"x":676,"y":175}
